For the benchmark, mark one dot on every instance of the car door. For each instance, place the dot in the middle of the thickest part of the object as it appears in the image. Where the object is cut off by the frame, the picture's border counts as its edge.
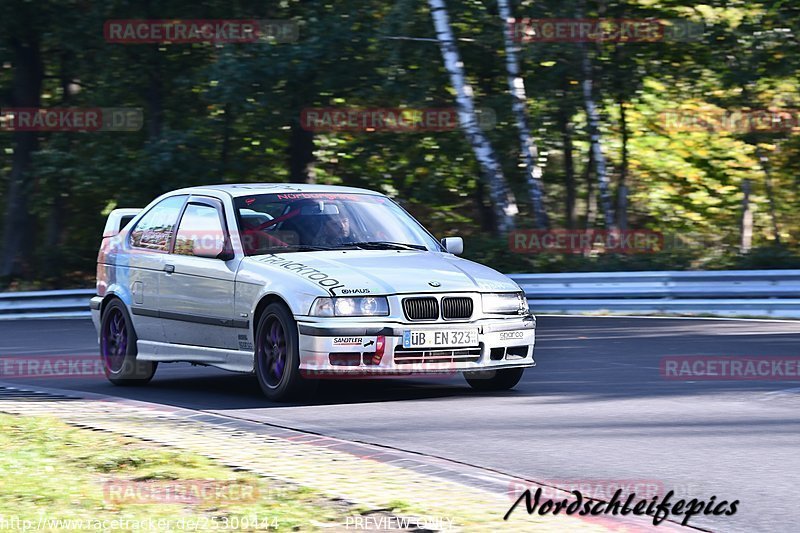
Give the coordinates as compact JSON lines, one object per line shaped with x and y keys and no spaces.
{"x":197,"y":290}
{"x":141,"y":269}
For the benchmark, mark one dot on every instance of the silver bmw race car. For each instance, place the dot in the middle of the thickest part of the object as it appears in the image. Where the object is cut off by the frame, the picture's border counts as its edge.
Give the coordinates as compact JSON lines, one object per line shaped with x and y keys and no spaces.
{"x":299,"y":282}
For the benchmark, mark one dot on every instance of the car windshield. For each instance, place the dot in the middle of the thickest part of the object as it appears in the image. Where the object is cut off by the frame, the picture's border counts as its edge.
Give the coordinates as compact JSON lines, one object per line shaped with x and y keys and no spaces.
{"x":291,"y":222}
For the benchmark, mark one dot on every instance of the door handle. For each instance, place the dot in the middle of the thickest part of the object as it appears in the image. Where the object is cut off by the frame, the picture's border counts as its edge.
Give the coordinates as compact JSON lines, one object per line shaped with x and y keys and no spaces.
{"x":169,"y":269}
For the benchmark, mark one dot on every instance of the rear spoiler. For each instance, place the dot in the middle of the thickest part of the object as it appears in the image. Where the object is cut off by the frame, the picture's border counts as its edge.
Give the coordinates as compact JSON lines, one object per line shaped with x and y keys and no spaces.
{"x":117,"y":220}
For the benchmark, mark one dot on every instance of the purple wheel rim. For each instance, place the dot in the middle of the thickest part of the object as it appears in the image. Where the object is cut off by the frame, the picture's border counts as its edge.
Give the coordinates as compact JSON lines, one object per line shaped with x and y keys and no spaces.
{"x":272,"y":352}
{"x":114,"y":341}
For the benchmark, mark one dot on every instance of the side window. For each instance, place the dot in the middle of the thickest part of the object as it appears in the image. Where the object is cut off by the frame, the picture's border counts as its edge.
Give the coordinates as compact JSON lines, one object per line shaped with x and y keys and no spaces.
{"x":200,"y":232}
{"x":154,"y":230}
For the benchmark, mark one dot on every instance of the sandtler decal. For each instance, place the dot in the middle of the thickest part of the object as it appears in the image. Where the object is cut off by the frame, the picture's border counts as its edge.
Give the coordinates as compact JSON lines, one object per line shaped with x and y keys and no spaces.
{"x":347,"y":341}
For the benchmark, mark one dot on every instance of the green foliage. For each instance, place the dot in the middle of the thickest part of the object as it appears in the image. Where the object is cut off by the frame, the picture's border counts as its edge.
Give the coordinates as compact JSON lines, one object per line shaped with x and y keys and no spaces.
{"x":225,"y":113}
{"x":65,"y":473}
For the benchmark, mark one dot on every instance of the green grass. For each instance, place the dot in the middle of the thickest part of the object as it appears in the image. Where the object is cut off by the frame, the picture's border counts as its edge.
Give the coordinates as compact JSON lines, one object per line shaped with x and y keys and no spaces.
{"x":50,"y":469}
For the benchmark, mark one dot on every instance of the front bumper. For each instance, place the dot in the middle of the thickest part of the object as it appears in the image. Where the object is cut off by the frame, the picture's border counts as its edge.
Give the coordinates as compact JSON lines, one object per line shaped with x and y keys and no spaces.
{"x":94,"y":305}
{"x":350,"y":347}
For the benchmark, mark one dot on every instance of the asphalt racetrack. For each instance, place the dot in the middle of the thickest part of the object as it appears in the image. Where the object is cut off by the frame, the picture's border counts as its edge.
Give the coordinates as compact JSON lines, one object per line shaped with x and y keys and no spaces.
{"x":595,"y":411}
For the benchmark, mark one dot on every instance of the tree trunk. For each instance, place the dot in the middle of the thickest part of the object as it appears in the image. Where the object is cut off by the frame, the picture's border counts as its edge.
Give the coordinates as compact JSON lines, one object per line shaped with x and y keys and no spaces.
{"x":503,"y":202}
{"x":26,"y":92}
{"x":155,"y":98}
{"x":528,"y":150}
{"x":571,"y":213}
{"x":301,"y":154}
{"x":225,"y":149}
{"x":746,"y":228}
{"x":773,"y":214}
{"x":487,"y":214}
{"x":593,"y":125}
{"x":591,"y":197}
{"x":622,"y":187}
{"x":57,"y":218}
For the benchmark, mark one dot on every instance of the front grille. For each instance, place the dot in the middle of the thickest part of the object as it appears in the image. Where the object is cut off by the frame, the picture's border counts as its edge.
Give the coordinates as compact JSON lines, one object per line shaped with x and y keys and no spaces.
{"x":463,"y":355}
{"x":421,"y":308}
{"x":457,"y":307}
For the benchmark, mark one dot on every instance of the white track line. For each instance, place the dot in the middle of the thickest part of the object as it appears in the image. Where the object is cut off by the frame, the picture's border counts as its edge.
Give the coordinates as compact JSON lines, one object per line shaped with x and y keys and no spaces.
{"x":797,"y":321}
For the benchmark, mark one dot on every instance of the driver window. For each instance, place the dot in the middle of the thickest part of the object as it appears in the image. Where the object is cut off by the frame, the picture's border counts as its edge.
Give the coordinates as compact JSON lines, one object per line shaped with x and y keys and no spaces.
{"x":200,"y":232}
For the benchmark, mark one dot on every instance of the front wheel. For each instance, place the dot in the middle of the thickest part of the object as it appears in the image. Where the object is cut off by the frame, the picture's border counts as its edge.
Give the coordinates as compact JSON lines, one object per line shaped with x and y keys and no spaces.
{"x":494,"y":380}
{"x":118,"y":348}
{"x":277,"y":356}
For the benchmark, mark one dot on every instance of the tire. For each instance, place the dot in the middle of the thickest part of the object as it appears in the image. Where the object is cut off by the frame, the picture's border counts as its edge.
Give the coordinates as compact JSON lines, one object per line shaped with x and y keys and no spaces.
{"x":277,"y":356}
{"x":118,"y":348}
{"x":494,"y":380}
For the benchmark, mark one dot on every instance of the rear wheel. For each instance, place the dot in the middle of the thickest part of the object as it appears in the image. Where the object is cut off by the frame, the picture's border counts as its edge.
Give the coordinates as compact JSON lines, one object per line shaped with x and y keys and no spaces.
{"x":277,"y":356}
{"x":118,"y":348}
{"x":494,"y":380}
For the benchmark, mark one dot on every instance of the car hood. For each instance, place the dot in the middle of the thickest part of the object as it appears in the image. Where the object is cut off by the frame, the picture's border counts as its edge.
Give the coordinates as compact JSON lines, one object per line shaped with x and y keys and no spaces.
{"x":354,"y":272}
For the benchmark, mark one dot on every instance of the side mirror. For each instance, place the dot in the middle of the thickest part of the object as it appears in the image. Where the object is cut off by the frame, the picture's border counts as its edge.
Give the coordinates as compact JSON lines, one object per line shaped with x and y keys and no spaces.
{"x":212,"y":248}
{"x":454,"y":245}
{"x":209,"y":252}
{"x":226,"y":254}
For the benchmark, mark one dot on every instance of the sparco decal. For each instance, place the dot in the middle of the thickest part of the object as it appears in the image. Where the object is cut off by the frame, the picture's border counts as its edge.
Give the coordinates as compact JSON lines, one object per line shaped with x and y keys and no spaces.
{"x":303,"y":270}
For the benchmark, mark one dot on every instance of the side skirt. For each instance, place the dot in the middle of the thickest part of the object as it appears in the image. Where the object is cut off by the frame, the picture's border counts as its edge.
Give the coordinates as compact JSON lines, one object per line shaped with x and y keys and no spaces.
{"x":234,"y":360}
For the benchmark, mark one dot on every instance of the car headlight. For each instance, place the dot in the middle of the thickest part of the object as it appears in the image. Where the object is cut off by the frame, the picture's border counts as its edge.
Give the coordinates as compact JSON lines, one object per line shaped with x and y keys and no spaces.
{"x":361,"y":306}
{"x":507,"y":303}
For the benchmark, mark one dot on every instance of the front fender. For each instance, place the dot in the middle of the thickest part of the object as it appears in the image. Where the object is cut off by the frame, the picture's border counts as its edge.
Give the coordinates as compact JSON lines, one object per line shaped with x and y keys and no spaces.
{"x":249,"y":295}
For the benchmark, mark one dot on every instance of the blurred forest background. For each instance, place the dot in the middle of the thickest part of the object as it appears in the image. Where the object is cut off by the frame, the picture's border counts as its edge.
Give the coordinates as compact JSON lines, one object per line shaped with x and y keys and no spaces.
{"x":230,"y":113}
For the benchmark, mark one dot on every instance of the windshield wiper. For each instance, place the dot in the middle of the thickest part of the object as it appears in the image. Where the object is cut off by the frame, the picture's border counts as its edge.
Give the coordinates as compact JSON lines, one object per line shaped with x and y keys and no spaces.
{"x":388,"y":245}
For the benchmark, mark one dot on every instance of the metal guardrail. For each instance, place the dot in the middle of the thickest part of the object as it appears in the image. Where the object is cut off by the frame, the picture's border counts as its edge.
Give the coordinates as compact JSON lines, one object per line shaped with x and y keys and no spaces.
{"x":45,"y":304}
{"x":772,"y":293}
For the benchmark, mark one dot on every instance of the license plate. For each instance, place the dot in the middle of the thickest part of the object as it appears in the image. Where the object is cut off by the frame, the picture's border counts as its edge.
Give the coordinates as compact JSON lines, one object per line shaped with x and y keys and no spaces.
{"x":440,"y":338}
